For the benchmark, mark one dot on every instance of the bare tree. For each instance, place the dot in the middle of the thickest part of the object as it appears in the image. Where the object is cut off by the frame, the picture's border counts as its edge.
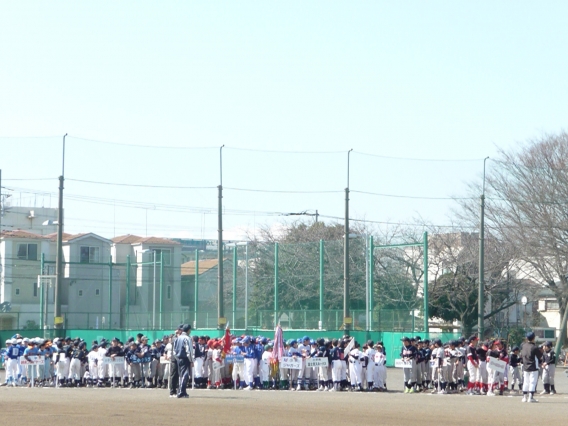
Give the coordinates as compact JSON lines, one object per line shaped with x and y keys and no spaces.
{"x":527,"y":209}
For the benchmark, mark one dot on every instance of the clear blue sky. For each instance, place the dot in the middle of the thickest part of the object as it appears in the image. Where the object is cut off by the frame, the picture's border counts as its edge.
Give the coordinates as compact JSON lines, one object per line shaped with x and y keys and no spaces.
{"x":435,"y":79}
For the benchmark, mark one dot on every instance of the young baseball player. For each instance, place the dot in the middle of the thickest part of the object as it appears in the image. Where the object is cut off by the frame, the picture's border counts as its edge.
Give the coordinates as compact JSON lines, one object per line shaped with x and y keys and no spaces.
{"x":145,"y":362}
{"x":370,"y":362}
{"x":295,"y":353}
{"x":336,"y":360}
{"x":78,"y":357}
{"x":408,"y":354}
{"x":250,"y":356}
{"x":482,"y":378}
{"x":12,"y":357}
{"x":514,"y":368}
{"x":92,"y":361}
{"x":265,"y":366}
{"x":380,"y":369}
{"x":548,"y":368}
{"x":355,"y":369}
{"x":472,"y":366}
{"x":438,"y":354}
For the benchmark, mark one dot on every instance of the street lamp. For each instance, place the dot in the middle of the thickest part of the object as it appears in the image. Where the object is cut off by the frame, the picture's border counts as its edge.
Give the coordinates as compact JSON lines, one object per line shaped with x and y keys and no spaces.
{"x":153,"y":288}
{"x":524,"y":301}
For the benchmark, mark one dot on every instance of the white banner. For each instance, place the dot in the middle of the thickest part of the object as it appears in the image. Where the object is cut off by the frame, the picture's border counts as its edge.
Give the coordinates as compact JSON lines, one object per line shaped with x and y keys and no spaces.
{"x":291,"y":363}
{"x":400,"y":363}
{"x":496,"y":364}
{"x":119,"y":360}
{"x":33,"y":360}
{"x":317,"y":362}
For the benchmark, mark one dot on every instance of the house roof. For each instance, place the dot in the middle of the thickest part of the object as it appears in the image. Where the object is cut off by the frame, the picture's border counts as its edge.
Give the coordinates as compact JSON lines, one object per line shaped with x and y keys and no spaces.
{"x":126,"y":239}
{"x":18,"y":233}
{"x":188,"y":268}
{"x":135,"y":239}
{"x":53,"y":237}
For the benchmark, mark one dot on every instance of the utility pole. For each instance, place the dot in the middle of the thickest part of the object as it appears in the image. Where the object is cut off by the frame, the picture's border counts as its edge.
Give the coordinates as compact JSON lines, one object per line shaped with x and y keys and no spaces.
{"x":1,"y":204}
{"x":220,"y":310}
{"x":346,"y":317}
{"x":481,"y":288}
{"x":58,"y":319}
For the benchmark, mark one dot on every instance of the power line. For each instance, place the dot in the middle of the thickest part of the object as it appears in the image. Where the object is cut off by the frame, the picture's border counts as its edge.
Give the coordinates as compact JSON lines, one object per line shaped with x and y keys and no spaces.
{"x":275,"y":151}
{"x":29,"y":179}
{"x":141,"y":185}
{"x":419,"y":159}
{"x":411,"y":196}
{"x":143,"y":146}
{"x":398,"y":223}
{"x":282,"y":191}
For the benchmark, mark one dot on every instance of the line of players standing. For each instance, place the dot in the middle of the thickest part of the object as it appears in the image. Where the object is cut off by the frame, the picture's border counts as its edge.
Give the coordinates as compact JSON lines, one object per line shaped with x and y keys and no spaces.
{"x":444,"y":367}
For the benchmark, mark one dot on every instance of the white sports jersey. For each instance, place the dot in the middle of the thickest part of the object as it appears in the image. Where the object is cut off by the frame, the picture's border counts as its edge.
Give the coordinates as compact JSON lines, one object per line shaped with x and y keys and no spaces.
{"x":168,"y":351}
{"x":101,"y":354}
{"x":92,"y":357}
{"x":304,"y":349}
{"x":380,"y":358}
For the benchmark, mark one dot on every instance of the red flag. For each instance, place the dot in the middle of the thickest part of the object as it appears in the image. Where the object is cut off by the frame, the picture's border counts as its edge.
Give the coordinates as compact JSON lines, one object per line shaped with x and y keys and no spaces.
{"x":227,"y":340}
{"x":278,"y":351}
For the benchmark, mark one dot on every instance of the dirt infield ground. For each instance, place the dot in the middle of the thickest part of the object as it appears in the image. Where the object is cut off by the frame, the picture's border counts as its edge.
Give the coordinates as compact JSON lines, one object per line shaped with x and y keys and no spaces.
{"x":94,"y":407}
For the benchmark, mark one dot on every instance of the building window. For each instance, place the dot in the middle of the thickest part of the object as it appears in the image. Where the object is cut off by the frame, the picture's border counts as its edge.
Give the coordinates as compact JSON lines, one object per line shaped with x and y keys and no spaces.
{"x":80,"y":293}
{"x":169,"y":292}
{"x":17,"y":292}
{"x":89,"y":254}
{"x":35,"y":289}
{"x":27,"y":251}
{"x":552,"y":305}
{"x":167,"y":255}
{"x":97,"y":292}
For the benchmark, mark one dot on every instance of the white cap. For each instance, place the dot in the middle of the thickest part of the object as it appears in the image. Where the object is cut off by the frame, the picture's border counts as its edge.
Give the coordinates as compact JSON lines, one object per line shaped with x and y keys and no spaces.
{"x":19,"y":341}
{"x":56,"y":340}
{"x":25,"y":339}
{"x":9,"y":341}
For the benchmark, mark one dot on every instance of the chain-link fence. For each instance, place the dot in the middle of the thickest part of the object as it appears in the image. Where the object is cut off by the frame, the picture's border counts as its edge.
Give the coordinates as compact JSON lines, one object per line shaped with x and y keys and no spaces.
{"x":299,"y":285}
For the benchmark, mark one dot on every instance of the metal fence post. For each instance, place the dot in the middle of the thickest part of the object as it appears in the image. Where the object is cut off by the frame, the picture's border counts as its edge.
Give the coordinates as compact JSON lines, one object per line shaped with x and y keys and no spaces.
{"x":371,"y":274}
{"x":425,"y":281}
{"x":110,"y":291}
{"x":161,"y":286}
{"x":196,"y":287}
{"x":276,"y":307}
{"x":40,"y":289}
{"x":234,"y":286}
{"x":128,"y":267}
{"x":321,"y":282}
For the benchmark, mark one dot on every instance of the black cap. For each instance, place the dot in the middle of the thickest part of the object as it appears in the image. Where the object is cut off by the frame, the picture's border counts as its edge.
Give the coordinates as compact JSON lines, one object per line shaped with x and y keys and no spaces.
{"x":186,"y":328}
{"x":530,"y":335}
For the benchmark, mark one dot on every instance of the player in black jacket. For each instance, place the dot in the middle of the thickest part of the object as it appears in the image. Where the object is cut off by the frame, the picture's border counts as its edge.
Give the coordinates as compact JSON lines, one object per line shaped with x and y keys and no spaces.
{"x":548,"y":369}
{"x":532,"y":358}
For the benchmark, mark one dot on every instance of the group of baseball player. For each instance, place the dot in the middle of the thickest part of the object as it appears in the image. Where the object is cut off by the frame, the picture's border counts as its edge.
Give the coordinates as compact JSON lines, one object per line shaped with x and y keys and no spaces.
{"x":484,"y":366}
{"x":247,"y":363}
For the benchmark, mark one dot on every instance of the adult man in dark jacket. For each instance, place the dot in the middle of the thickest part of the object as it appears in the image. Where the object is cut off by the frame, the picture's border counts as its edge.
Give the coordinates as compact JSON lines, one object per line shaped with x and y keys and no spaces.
{"x":174,"y":372}
{"x":532,"y":358}
{"x":184,"y":355}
